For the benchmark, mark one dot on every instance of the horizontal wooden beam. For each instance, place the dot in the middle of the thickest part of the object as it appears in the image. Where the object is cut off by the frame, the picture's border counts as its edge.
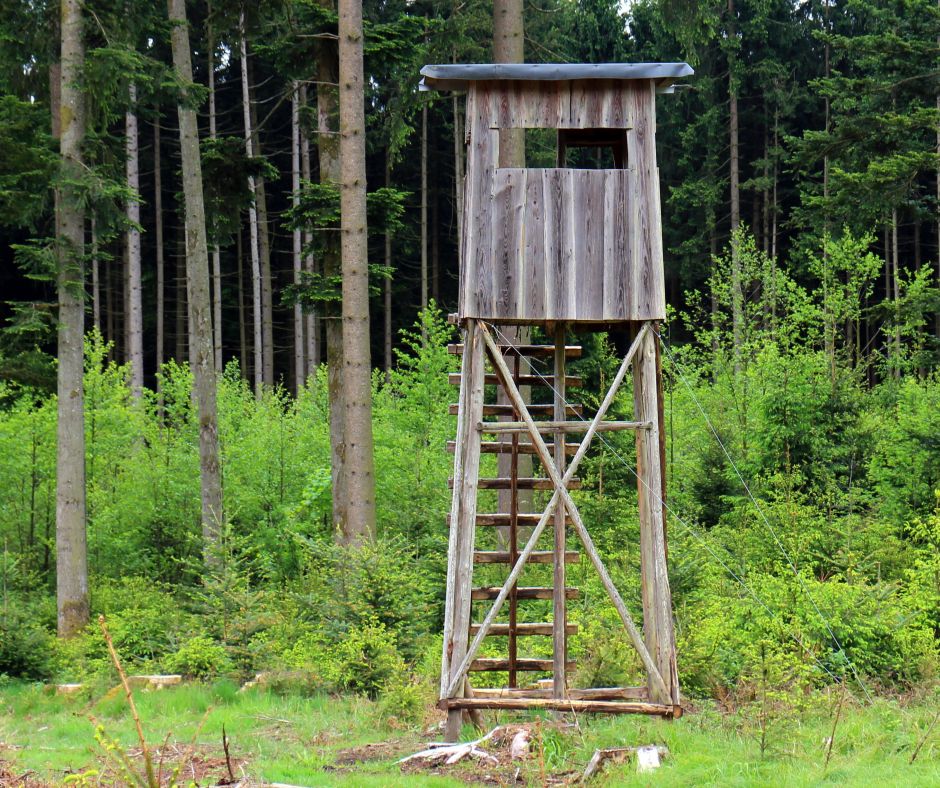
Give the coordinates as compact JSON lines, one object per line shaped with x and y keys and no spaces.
{"x":562,"y":426}
{"x":525,"y":629}
{"x":562,"y":704}
{"x":522,"y":483}
{"x":505,"y":447}
{"x":522,"y":592}
{"x":534,"y":351}
{"x":507,"y":410}
{"x":522,"y":380}
{"x":503,"y":519}
{"x":591,"y":693}
{"x":537,"y":557}
{"x":499,"y":663}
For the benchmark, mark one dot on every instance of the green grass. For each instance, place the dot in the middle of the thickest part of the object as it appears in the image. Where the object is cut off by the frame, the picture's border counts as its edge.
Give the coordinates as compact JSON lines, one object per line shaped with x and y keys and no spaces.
{"x":325,"y":740}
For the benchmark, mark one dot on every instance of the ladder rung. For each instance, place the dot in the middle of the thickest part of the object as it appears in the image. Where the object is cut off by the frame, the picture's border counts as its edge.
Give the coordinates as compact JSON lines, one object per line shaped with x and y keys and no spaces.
{"x":535,"y":351}
{"x":534,"y":410}
{"x":501,"y":519}
{"x":535,"y":557}
{"x":571,"y":381}
{"x":505,"y":447}
{"x":524,"y":629}
{"x":562,"y":426}
{"x":499,"y":663}
{"x":545,"y":691}
{"x":522,"y":483}
{"x":523,"y":592}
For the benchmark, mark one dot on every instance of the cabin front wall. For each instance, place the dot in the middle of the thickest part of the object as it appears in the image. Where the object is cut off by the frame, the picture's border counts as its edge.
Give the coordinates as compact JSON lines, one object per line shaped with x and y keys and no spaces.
{"x":561,"y":244}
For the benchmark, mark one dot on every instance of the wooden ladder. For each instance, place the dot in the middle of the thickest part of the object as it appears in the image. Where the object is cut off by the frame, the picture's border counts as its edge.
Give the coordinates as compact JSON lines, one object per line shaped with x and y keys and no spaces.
{"x":519,"y":434}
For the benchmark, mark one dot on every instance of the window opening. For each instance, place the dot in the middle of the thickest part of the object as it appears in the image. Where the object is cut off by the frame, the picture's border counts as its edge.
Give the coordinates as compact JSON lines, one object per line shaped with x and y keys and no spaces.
{"x":575,"y":149}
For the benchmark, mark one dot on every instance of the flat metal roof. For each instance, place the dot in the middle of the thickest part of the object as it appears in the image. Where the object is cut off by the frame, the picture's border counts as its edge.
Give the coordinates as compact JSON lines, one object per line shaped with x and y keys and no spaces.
{"x":455,"y":76}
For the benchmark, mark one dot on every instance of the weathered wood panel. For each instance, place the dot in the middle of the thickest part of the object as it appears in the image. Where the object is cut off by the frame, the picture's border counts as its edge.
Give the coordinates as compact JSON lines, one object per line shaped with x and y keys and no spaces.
{"x":562,"y":244}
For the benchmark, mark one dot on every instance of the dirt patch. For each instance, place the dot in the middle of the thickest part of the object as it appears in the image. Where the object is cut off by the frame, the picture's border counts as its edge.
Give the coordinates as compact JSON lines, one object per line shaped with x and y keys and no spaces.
{"x":11,"y":778}
{"x":196,"y":766}
{"x":377,"y":751}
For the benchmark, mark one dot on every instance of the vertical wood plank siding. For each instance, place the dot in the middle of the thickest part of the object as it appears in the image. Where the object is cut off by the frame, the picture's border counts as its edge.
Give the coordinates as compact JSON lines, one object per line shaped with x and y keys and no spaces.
{"x":557,"y":243}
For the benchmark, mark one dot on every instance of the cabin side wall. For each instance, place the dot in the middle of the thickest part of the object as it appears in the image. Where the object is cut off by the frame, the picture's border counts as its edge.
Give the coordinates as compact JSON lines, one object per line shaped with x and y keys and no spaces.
{"x":561,"y":244}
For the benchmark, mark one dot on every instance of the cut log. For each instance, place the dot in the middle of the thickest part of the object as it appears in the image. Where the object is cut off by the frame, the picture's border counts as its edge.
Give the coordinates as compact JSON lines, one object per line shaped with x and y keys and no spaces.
{"x":503,"y":519}
{"x":591,"y":693}
{"x":562,"y":426}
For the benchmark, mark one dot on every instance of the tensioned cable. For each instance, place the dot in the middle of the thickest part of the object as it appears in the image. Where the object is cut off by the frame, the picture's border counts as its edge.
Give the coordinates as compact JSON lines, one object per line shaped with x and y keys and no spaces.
{"x":675,"y":515}
{"x":760,"y":512}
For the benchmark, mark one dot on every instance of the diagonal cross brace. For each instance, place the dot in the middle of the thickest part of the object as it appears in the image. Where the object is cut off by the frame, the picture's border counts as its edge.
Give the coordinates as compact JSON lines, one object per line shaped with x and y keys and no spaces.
{"x":560,"y":493}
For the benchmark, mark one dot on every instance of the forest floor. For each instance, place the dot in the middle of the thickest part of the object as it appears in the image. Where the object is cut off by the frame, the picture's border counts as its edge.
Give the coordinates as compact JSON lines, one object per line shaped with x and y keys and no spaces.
{"x":327,"y":740}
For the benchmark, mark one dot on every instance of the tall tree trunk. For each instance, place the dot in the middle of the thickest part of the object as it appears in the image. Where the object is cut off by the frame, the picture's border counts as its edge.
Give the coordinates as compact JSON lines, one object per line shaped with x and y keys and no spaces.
{"x":71,"y":549}
{"x":737,"y":296}
{"x":297,"y":241}
{"x":387,"y":301}
{"x":312,"y":322}
{"x":95,"y":278}
{"x":424,"y":205}
{"x":240,"y":265}
{"x":182,"y":323}
{"x":458,"y":168}
{"x":158,"y":240}
{"x":264,"y":249}
{"x":253,"y":242}
{"x":896,"y":291}
{"x":509,"y":47}
{"x":197,"y":277}
{"x":435,"y":244}
{"x":135,"y":317}
{"x":357,"y":372}
{"x":328,"y":148}
{"x":216,"y":252}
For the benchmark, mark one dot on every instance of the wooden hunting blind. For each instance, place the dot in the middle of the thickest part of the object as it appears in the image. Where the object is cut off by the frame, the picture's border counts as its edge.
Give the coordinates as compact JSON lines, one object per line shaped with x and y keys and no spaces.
{"x":569,"y":248}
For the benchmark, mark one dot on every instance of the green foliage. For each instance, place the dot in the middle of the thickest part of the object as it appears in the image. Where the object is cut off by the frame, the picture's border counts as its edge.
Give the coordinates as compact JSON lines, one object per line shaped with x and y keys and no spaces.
{"x":199,"y":657}
{"x":367,"y":661}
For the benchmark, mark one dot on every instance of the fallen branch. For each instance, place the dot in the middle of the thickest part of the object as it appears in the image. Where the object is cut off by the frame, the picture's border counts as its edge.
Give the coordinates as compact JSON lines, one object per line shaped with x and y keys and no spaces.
{"x":614,"y":755}
{"x":449,"y":754}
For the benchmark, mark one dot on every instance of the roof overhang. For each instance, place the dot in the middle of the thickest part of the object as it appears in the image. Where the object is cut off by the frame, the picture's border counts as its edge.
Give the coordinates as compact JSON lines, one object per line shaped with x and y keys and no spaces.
{"x":457,"y":76}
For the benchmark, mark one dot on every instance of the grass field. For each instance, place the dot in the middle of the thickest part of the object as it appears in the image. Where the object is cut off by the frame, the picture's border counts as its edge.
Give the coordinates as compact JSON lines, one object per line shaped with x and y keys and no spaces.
{"x":327,"y":740}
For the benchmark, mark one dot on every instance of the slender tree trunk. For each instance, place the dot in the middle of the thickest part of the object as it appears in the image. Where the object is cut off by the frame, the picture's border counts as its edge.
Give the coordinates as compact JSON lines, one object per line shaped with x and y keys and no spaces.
{"x":424,"y":205}
{"x":328,"y":148}
{"x":158,"y":240}
{"x":197,"y":276}
{"x":240,"y":264}
{"x":896,"y":291}
{"x":258,"y":365}
{"x":387,"y":303}
{"x":182,"y":332}
{"x":773,"y":218}
{"x":135,"y":317}
{"x":435,"y":245}
{"x":765,"y":192}
{"x":71,"y":550}
{"x":216,"y":253}
{"x":737,"y":296}
{"x":264,"y":249}
{"x":109,"y":305}
{"x":297,"y":241}
{"x":312,"y":327}
{"x":508,"y":47}
{"x":458,"y":168}
{"x":357,"y":373}
{"x":95,"y":278}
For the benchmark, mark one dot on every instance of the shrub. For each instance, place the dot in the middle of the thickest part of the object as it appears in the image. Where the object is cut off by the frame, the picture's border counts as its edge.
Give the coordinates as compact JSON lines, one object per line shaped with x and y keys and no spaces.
{"x":366,"y":660}
{"x":25,"y":647}
{"x":199,"y":657}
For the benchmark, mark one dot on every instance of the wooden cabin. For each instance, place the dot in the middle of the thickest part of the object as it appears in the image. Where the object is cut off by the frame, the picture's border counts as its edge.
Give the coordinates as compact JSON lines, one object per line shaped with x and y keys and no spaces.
{"x":564,"y":243}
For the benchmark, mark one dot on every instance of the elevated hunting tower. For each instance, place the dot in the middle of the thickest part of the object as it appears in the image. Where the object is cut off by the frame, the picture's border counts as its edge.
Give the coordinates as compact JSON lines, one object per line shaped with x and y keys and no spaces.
{"x":568,"y":248}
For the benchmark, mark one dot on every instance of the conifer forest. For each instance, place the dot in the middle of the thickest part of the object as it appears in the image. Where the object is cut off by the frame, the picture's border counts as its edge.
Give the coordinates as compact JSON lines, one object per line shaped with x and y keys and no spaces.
{"x":229,"y":241}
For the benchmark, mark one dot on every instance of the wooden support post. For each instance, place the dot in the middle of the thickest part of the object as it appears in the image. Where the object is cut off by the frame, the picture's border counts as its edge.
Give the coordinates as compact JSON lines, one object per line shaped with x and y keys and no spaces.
{"x":463,"y":522}
{"x":657,"y":600}
{"x":559,"y":612}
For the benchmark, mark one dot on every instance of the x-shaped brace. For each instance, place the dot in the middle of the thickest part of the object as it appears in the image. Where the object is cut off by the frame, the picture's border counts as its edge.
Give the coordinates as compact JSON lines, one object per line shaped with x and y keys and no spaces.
{"x":560,"y":494}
